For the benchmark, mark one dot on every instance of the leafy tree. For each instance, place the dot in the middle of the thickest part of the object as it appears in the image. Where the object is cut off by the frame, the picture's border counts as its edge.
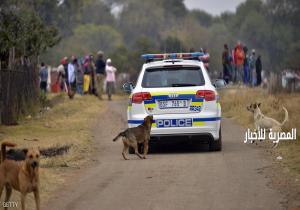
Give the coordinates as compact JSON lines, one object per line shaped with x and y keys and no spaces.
{"x":86,"y":39}
{"x":202,"y":17}
{"x":24,"y":31}
{"x":269,"y":26}
{"x":174,"y":8}
{"x":172,"y":44}
{"x":97,"y":12}
{"x":138,"y":20}
{"x":218,"y":35}
{"x":293,"y":60}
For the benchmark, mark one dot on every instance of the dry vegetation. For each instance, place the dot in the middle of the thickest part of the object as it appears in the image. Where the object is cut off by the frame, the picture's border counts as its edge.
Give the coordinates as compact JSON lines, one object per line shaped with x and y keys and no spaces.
{"x":234,"y":102}
{"x":69,"y":122}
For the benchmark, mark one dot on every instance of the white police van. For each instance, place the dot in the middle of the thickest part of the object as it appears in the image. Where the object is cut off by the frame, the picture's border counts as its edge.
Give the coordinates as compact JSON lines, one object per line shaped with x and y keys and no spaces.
{"x":176,"y":89}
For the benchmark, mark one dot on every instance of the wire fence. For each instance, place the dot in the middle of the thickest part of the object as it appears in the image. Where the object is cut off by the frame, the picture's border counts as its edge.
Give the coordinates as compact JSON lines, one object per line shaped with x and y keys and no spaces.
{"x":19,"y":92}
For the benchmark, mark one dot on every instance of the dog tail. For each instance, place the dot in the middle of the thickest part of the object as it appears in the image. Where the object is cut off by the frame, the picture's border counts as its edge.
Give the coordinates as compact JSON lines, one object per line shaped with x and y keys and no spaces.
{"x":119,"y":135}
{"x":286,"y":117}
{"x":3,"y":149}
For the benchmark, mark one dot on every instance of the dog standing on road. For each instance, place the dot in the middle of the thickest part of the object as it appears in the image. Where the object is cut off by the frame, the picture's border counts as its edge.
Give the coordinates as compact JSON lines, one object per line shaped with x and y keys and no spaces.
{"x":133,"y":136}
{"x":263,"y":122}
{"x":22,"y":176}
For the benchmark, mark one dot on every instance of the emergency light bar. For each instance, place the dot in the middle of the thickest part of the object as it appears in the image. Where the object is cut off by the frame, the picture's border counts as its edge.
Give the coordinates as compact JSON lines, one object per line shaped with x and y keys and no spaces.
{"x":172,"y":56}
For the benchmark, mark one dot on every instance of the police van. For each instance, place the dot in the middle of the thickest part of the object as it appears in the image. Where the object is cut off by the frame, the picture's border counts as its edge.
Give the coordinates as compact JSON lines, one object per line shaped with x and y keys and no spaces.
{"x":176,"y":89}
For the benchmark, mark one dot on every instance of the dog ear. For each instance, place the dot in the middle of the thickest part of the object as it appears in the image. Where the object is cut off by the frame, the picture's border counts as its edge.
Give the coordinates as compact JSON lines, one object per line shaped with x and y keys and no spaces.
{"x":25,"y":151}
{"x":258,"y":104}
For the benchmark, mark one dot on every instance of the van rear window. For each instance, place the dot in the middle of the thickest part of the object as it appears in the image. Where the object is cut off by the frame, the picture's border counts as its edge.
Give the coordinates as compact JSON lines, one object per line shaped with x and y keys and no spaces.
{"x":173,"y":77}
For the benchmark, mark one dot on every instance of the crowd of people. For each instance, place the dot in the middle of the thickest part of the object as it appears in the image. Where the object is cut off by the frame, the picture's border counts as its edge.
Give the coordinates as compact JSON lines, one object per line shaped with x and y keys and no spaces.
{"x":83,"y":76}
{"x":87,"y":75}
{"x":240,"y":66}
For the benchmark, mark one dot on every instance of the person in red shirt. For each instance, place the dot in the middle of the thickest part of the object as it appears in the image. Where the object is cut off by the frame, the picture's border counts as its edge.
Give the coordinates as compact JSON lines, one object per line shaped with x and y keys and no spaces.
{"x":239,"y":57}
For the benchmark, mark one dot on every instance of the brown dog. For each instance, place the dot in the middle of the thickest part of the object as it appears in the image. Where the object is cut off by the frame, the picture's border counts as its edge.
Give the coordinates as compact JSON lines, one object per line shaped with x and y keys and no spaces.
{"x":133,"y":136}
{"x":22,"y":176}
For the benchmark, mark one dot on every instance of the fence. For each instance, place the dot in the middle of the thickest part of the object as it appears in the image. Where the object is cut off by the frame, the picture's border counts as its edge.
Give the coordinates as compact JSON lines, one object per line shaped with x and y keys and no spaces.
{"x":18,"y":92}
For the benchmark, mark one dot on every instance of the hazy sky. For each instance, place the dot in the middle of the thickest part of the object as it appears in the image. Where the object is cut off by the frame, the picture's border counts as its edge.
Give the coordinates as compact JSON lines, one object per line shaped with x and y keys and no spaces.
{"x":215,"y":7}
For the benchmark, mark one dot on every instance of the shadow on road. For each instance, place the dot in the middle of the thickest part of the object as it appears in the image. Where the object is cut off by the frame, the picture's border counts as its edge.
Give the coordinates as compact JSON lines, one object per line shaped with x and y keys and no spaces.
{"x":177,"y":147}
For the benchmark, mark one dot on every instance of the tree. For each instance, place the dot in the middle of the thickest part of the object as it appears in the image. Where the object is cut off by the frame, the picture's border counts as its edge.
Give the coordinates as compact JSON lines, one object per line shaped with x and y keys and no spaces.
{"x":97,"y":12}
{"x":22,"y":30}
{"x":172,"y":44}
{"x":202,"y":17}
{"x":218,"y":35}
{"x":138,"y":20}
{"x":86,"y":39}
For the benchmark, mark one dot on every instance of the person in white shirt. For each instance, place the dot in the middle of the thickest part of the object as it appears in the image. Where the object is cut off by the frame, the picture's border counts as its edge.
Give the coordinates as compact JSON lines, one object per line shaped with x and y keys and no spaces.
{"x":110,"y":78}
{"x":71,"y":76}
{"x":71,"y":73}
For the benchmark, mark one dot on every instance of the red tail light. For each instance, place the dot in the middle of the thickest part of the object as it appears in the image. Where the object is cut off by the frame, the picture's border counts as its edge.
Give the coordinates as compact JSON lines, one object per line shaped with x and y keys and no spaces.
{"x":138,"y":98}
{"x":208,"y":95}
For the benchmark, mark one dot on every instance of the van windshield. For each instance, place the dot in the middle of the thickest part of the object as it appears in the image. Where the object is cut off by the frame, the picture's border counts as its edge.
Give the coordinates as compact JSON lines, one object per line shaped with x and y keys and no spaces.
{"x":173,"y":77}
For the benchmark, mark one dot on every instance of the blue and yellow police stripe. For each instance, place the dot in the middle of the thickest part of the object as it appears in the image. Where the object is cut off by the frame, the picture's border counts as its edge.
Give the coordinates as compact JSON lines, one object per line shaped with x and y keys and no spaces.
{"x":196,"y":121}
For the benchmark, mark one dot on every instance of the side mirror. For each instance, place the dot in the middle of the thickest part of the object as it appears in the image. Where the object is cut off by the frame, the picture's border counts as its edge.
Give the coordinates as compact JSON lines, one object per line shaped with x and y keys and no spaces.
{"x":220,"y":83}
{"x":128,"y":87}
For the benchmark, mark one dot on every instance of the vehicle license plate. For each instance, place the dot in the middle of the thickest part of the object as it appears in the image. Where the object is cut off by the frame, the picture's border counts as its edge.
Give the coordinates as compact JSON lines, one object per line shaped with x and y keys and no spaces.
{"x":173,"y":104}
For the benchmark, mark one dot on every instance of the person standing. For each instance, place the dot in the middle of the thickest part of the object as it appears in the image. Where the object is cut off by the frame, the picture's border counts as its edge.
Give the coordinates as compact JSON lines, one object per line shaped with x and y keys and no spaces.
{"x":110,"y":78}
{"x":252,"y":61}
{"x":87,"y":74}
{"x":239,"y":62}
{"x":61,"y":79}
{"x":235,"y":74}
{"x":72,"y":77}
{"x":44,"y":78}
{"x":65,"y":64}
{"x":79,"y":77}
{"x":205,"y":59}
{"x":93,"y":89}
{"x":258,"y":66}
{"x":100,"y":74}
{"x":226,"y":64}
{"x":246,"y":66}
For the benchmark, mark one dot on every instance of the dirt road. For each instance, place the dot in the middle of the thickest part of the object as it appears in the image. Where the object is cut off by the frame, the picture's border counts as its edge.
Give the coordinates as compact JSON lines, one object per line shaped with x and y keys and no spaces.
{"x":172,"y":178}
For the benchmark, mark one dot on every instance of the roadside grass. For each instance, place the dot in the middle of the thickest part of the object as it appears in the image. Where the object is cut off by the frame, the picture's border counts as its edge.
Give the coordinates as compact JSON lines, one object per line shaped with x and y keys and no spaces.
{"x":234,"y":102}
{"x":68,"y":122}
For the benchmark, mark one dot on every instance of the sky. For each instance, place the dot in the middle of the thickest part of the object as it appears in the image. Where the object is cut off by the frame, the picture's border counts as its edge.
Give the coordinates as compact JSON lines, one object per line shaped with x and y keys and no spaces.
{"x":214,"y":7}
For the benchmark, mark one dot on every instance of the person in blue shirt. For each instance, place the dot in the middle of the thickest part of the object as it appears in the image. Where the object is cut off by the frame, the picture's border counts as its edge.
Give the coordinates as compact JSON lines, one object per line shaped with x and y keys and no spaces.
{"x":43,"y":77}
